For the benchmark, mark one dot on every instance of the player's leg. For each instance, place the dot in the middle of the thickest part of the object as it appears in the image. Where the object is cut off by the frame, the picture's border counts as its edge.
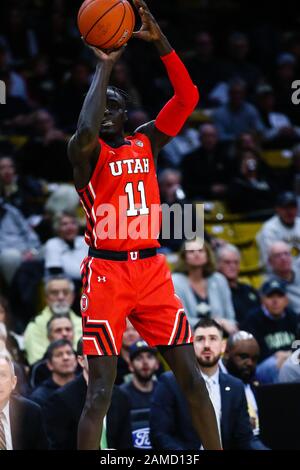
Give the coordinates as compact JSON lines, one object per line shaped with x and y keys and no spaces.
{"x":102,"y":374}
{"x":183,"y":363}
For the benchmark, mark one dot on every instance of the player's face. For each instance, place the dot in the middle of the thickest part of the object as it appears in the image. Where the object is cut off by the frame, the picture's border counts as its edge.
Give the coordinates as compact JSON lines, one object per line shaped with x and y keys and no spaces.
{"x":229,"y":265}
{"x":114,"y":116}
{"x":63,"y":361}
{"x":275,"y":303}
{"x":242,"y":360}
{"x":208,"y":345}
{"x":144,"y":366}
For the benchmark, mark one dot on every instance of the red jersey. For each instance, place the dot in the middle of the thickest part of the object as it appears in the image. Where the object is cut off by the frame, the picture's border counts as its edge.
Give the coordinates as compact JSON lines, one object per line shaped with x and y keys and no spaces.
{"x":121,"y":201}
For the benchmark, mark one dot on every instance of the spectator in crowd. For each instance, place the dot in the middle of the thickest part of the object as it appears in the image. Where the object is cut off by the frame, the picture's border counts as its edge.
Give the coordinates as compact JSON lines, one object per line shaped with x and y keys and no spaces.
{"x":18,"y":242}
{"x":203,"y":291}
{"x":249,"y":191}
{"x":284,"y":226}
{"x":62,"y":363}
{"x":290,"y":370}
{"x":238,"y":64}
{"x":244,"y":297}
{"x":240,"y":360}
{"x":279,"y":131}
{"x":274,"y":326}
{"x":44,"y":154}
{"x":281,"y":268}
{"x":21,"y":423}
{"x":59,"y":327}
{"x":40,"y":82}
{"x":25,"y":193}
{"x":130,"y":337}
{"x":143,"y":365}
{"x":65,"y":252}
{"x":170,"y":422}
{"x":175,"y":151}
{"x":64,"y":408}
{"x":17,"y":82}
{"x":237,"y":116}
{"x":59,"y":298}
{"x":205,"y":68}
{"x":206,"y":170}
{"x":14,"y":115}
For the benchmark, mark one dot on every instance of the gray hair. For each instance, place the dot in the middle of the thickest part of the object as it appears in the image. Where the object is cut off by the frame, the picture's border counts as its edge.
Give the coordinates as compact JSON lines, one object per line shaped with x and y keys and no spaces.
{"x":228,"y":247}
{"x":238,"y":336}
{"x":7,"y":357}
{"x":271,"y":246}
{"x":60,"y":277}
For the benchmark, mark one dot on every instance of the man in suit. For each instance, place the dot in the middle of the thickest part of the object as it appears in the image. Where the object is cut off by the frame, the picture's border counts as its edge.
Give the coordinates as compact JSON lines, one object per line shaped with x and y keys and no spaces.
{"x":64,"y":408}
{"x":170,"y":421}
{"x":21,"y":424}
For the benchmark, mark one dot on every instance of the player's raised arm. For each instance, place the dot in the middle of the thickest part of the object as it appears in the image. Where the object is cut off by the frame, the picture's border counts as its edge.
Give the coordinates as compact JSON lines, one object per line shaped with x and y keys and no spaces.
{"x":84,"y":146}
{"x":174,"y":114}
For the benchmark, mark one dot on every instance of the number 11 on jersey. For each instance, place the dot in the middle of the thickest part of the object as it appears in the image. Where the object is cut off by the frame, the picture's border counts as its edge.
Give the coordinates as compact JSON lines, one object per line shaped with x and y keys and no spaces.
{"x":132,"y":211}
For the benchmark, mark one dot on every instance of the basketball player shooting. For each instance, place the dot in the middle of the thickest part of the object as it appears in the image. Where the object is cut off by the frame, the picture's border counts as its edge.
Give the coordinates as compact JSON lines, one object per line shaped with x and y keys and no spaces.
{"x":124,"y":277}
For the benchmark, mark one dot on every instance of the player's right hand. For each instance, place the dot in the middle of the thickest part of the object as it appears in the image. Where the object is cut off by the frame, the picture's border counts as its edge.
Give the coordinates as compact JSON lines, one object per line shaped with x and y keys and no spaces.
{"x":110,"y":56}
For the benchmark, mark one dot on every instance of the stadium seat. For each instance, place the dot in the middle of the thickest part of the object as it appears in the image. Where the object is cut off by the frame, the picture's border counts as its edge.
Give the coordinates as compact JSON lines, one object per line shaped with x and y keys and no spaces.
{"x":277,"y":158}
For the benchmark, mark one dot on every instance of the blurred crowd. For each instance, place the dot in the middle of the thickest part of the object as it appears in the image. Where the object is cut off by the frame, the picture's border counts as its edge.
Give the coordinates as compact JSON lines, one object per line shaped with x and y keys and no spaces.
{"x":240,"y":151}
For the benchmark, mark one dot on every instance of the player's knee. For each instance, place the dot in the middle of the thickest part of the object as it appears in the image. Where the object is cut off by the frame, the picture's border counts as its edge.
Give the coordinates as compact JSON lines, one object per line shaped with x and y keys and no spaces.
{"x":98,"y":400}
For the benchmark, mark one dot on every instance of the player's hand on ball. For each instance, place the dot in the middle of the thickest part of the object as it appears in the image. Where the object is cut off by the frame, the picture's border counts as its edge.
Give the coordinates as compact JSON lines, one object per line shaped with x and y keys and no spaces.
{"x":150,"y":30}
{"x":109,"y":56}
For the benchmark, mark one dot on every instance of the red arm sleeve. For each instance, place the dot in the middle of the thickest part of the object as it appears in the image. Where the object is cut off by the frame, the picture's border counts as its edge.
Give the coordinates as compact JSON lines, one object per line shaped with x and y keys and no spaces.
{"x":174,"y":114}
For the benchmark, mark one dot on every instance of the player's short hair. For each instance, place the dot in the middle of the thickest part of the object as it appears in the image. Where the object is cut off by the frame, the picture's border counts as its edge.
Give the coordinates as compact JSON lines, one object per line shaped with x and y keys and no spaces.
{"x":56,"y":345}
{"x":209,"y":323}
{"x":125,"y":96}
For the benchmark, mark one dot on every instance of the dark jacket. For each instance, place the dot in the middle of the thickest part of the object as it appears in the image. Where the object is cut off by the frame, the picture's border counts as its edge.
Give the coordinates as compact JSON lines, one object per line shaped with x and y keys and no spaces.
{"x":63,"y":412}
{"x":27,"y":427}
{"x":171,"y":425}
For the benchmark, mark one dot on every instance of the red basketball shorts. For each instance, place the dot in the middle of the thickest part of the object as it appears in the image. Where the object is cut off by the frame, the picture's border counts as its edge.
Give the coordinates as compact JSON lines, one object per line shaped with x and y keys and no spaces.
{"x":140,"y":290}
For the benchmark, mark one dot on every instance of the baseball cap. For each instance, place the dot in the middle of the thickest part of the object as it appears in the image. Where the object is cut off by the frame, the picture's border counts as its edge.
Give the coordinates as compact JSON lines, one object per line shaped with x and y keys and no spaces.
{"x":139,"y":347}
{"x":273,"y":285}
{"x":287,"y":198}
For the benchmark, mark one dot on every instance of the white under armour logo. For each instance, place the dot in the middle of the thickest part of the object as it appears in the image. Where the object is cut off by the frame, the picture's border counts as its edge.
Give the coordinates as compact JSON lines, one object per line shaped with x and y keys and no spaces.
{"x":134,"y":255}
{"x":101,"y":279}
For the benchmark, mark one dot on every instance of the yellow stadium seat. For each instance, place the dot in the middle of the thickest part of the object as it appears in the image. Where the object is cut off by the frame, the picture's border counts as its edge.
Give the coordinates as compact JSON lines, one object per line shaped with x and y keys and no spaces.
{"x":277,"y":158}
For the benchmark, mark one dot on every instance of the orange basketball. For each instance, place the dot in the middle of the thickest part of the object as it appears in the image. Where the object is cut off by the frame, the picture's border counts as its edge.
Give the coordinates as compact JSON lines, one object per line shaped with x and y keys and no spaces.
{"x":107,"y":24}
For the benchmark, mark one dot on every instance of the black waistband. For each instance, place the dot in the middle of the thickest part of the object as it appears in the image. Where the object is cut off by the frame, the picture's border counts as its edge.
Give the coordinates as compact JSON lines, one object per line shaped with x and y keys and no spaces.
{"x":122,"y":255}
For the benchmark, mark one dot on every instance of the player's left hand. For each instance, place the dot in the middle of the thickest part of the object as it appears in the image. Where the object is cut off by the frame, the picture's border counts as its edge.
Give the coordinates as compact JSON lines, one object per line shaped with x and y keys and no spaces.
{"x":150,"y":30}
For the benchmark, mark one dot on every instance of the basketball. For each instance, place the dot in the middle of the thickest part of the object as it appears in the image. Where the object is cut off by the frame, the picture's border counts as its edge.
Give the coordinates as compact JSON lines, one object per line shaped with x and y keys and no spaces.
{"x":107,"y":24}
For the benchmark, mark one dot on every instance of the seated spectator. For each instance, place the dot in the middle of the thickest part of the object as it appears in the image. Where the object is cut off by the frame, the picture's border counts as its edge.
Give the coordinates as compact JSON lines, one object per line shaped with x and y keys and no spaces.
{"x":203,"y":291}
{"x":206,"y":170}
{"x":279,"y":131}
{"x":18,"y":242}
{"x":281,"y":268}
{"x":244,"y":297}
{"x":237,"y":116}
{"x":290,"y":369}
{"x":65,"y":406}
{"x":58,"y":327}
{"x":249,"y":191}
{"x":130,"y":337}
{"x":143,"y":365}
{"x":64,"y":253}
{"x":275,"y":328}
{"x":17,"y":82}
{"x":23,"y":192}
{"x":171,"y":425}
{"x":14,"y":115}
{"x":62,"y":363}
{"x":284,"y":226}
{"x":240,"y":360}
{"x":44,"y":154}
{"x":59,"y":298}
{"x":20,"y":419}
{"x":186,"y":141}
